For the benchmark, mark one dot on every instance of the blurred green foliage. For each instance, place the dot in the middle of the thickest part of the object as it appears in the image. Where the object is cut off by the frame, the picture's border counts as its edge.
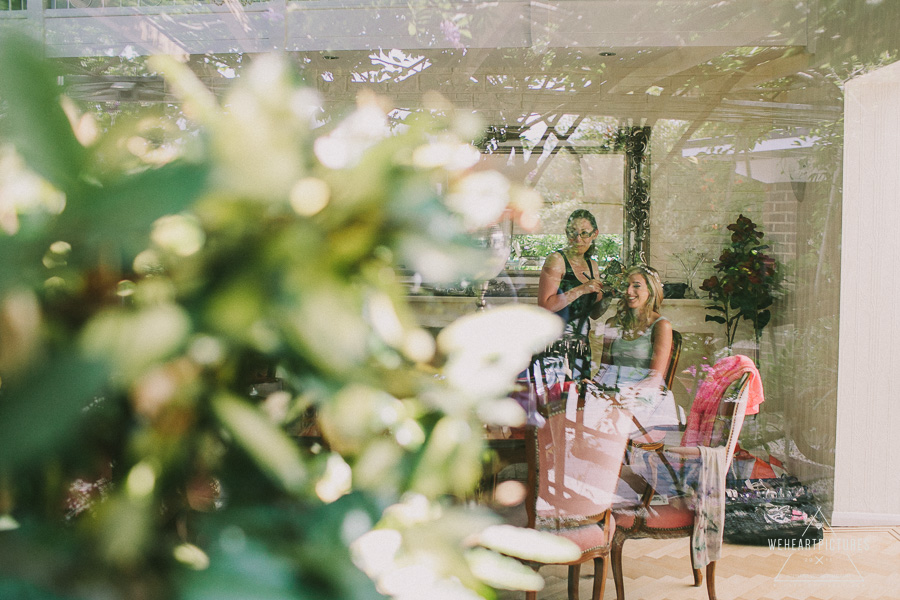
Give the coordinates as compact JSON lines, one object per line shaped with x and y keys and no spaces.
{"x":540,"y":245}
{"x":148,"y":282}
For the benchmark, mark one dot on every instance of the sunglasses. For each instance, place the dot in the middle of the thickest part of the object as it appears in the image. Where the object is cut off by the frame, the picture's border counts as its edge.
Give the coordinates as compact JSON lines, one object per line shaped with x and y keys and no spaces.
{"x":583,"y":235}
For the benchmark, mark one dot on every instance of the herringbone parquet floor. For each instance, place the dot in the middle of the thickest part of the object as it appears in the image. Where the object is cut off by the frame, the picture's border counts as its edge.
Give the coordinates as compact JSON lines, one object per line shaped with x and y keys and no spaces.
{"x":851,"y":563}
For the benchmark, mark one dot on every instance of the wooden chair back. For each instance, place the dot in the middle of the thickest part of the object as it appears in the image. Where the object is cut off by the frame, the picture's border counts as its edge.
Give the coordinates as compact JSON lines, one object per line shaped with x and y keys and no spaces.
{"x":673,"y":359}
{"x":574,"y":457}
{"x":730,"y":417}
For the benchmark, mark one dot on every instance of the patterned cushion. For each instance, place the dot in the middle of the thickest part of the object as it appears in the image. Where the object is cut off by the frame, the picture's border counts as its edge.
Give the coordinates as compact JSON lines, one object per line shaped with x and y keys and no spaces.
{"x":678,"y":514}
{"x":589,"y":537}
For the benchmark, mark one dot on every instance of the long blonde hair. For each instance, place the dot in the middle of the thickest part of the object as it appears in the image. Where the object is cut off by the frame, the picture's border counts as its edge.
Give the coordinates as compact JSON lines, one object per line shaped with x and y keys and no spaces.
{"x":633,"y":321}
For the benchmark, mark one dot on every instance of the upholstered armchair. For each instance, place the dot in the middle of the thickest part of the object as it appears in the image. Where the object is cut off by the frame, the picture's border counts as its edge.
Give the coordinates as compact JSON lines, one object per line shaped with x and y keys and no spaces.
{"x":716,"y":423}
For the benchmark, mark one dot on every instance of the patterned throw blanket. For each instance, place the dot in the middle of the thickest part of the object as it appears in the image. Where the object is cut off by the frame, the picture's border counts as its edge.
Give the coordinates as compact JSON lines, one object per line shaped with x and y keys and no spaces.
{"x":709,"y":508}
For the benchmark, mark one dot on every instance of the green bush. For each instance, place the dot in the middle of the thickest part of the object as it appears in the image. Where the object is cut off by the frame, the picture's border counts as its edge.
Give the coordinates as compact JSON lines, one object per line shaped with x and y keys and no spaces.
{"x":147,"y":282}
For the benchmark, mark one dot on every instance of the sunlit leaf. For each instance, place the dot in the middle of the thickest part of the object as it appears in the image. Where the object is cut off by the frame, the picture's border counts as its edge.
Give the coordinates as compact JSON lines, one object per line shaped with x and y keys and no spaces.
{"x":503,"y":572}
{"x":35,"y":121}
{"x":487,"y":349}
{"x":356,"y":415}
{"x":329,"y":327}
{"x":199,"y":102}
{"x":269,"y":446}
{"x":127,"y":529}
{"x":451,"y":460}
{"x":375,"y":551}
{"x":504,"y":412}
{"x":433,"y":542}
{"x":134,"y":340}
{"x":480,"y":198}
{"x":529,"y":544}
{"x":191,"y":556}
{"x":20,"y":324}
{"x":379,"y":467}
{"x":236,"y":307}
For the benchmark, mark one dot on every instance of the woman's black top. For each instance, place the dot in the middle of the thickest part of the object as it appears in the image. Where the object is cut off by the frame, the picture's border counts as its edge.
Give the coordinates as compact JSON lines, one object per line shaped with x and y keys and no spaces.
{"x":577,"y":313}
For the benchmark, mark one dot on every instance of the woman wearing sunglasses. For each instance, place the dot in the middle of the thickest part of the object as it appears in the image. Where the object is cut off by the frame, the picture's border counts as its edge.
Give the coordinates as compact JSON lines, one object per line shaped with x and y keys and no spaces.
{"x":570,"y":287}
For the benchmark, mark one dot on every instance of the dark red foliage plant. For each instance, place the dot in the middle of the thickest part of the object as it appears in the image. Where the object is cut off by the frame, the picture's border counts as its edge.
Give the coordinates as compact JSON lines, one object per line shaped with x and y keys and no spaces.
{"x":745,"y":284}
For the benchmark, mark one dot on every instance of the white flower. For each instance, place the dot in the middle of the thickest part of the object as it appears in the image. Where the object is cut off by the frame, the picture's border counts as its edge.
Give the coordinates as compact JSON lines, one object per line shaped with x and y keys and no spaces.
{"x":446,"y":153}
{"x":480,"y":198}
{"x":346,"y":145}
{"x":487,"y":350}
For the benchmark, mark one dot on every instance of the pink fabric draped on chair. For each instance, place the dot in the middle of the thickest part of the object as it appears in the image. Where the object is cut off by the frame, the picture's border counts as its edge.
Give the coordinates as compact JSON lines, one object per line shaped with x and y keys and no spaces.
{"x":726,"y":371}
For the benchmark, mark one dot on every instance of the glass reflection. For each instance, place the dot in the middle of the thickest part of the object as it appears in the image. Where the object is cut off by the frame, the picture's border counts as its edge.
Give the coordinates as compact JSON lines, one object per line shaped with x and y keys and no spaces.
{"x":743,"y":113}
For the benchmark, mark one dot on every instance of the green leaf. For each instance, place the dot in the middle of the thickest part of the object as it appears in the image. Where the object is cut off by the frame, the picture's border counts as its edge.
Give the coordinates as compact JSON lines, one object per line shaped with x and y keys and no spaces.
{"x":35,"y":121}
{"x":41,"y":412}
{"x":715,"y":319}
{"x":21,"y":260}
{"x":16,"y":589}
{"x":325,"y":556}
{"x":301,"y":549}
{"x":267,"y":444}
{"x":245,"y":572}
{"x":125,"y":209}
{"x":747,"y":306}
{"x":132,"y":341}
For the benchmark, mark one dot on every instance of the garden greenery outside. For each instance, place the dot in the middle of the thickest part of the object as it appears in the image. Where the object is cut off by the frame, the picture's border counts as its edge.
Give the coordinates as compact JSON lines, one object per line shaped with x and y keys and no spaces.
{"x":529,"y":250}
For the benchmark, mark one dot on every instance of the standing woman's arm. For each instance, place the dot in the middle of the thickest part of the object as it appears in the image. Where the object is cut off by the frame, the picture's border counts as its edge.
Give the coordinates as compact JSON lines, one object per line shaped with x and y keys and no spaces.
{"x":548,"y":285}
{"x":598,"y":308}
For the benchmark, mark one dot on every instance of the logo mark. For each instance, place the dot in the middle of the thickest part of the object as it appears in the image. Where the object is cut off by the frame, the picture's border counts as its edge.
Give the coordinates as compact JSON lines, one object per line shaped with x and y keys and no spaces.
{"x":822,"y":560}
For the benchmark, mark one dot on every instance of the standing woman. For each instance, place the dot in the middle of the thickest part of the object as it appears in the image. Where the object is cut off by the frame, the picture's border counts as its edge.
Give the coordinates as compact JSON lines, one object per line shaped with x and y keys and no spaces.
{"x":570,"y":288}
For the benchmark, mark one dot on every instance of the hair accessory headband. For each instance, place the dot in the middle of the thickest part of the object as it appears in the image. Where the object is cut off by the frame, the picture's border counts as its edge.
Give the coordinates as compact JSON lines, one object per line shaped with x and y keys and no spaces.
{"x":650,"y":271}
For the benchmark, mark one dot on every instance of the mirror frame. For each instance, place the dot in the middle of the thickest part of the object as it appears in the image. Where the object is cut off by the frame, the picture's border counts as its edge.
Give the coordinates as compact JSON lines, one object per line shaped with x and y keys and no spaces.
{"x":632,"y":141}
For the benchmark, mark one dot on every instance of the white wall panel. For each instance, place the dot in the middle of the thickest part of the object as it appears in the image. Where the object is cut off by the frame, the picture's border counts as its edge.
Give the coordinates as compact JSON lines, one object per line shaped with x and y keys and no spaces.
{"x":867,"y":485}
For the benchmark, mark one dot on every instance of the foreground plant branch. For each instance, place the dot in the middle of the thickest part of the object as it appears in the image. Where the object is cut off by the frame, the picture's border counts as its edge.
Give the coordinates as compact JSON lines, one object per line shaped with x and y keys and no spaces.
{"x":151,"y":270}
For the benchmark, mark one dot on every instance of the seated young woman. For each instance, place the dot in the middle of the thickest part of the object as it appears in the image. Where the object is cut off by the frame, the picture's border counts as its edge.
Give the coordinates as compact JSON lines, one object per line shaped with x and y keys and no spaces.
{"x":637,"y":343}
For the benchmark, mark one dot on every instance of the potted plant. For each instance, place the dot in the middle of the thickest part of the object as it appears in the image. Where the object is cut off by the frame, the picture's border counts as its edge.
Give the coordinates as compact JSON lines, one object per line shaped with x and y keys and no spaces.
{"x":745,"y":282}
